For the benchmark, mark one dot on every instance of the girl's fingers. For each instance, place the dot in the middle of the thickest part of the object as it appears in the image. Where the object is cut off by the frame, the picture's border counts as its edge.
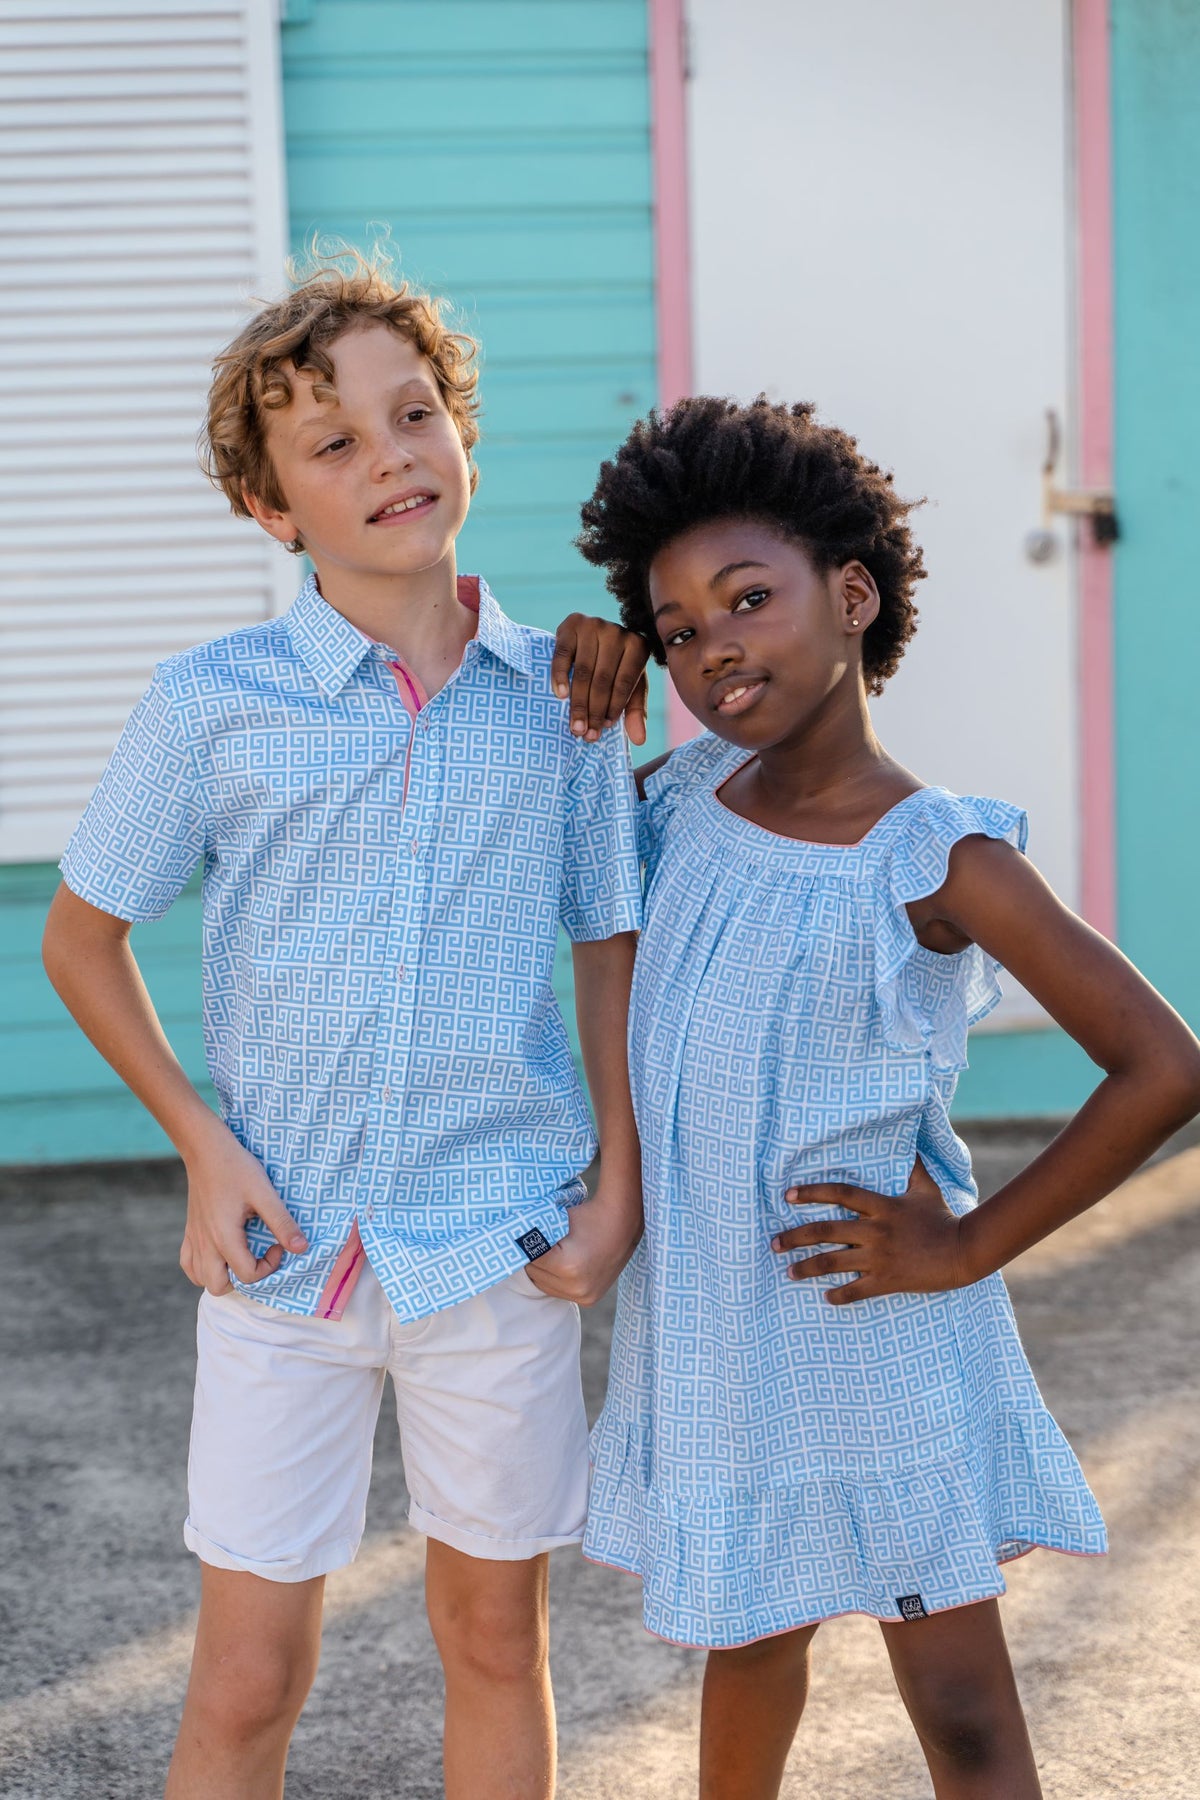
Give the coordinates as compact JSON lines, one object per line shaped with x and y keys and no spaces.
{"x":850,"y":1291}
{"x":829,"y":1262}
{"x":823,"y":1231}
{"x":833,"y":1193}
{"x":565,"y":640}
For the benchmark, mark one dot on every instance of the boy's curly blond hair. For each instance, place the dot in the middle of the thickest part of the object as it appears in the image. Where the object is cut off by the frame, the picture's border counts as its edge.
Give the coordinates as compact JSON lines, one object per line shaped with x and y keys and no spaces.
{"x":253,"y":375}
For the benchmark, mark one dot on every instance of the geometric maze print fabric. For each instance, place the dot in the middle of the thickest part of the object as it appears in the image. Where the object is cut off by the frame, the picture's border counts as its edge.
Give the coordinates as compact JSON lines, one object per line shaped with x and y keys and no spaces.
{"x":382,"y":898}
{"x":765,"y":1460}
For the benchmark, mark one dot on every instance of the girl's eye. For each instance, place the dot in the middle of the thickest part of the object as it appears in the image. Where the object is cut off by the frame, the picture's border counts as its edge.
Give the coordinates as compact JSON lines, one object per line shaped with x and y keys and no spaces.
{"x":678,"y":637}
{"x":416,"y":413}
{"x":748,"y":601}
{"x":334,"y":444}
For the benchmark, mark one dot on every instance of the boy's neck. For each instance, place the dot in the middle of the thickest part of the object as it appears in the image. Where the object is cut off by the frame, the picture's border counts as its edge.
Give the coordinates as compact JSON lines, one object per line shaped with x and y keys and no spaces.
{"x":419,"y":615}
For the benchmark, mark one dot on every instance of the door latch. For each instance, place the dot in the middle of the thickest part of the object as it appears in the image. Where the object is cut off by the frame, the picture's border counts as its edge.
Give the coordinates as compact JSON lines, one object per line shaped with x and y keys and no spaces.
{"x":1096,"y":504}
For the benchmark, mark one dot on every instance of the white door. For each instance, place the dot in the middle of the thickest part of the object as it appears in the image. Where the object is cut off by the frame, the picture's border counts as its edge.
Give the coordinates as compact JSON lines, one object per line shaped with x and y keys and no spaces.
{"x":880,"y":224}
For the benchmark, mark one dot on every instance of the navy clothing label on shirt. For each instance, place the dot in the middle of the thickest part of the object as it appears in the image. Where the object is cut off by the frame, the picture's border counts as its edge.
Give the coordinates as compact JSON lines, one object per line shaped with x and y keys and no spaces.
{"x":534,"y":1244}
{"x":911,"y":1606}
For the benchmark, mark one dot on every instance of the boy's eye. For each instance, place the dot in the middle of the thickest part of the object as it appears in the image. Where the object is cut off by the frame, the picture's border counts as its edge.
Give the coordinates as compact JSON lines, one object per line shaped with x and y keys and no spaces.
{"x":334,"y":444}
{"x":415,"y":414}
{"x":753,"y":597}
{"x":678,"y":637}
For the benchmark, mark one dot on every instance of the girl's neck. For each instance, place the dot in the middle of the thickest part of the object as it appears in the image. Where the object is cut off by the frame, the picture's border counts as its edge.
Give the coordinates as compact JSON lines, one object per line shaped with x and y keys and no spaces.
{"x":831,"y":781}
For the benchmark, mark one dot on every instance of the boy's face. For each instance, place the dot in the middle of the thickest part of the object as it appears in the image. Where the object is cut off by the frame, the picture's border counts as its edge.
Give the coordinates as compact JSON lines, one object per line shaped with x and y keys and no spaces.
{"x":375,"y":476}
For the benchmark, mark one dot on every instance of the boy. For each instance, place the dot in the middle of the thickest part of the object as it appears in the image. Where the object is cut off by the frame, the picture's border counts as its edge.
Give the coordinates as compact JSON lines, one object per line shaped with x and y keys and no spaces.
{"x":393,"y":816}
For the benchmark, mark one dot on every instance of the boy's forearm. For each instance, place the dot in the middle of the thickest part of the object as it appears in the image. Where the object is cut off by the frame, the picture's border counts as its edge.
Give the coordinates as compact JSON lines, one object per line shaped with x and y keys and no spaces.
{"x":603,"y":973}
{"x":91,"y":965}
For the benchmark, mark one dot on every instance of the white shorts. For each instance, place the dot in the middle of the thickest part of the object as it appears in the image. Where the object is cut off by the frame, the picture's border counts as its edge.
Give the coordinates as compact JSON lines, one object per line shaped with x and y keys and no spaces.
{"x":488,"y":1400}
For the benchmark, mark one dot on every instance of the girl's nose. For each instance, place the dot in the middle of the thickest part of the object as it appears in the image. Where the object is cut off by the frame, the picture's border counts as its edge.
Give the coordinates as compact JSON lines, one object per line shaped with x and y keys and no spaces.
{"x":721,"y":655}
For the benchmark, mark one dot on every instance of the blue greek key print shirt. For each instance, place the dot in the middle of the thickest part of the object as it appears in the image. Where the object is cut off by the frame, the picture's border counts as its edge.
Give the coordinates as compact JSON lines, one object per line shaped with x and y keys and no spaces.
{"x":384,"y":879}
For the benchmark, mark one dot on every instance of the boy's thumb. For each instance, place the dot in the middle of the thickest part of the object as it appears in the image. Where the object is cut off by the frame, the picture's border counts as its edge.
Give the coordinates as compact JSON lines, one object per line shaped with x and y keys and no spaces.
{"x":283,"y":1228}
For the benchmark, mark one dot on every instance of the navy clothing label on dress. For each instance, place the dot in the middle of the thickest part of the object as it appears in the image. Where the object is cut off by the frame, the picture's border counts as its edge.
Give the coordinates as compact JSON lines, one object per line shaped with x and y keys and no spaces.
{"x":534,"y":1244}
{"x":911,"y":1606}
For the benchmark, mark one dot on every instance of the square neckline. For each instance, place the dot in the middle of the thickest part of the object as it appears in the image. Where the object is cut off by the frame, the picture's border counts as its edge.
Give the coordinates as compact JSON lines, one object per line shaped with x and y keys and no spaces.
{"x":782,"y":837}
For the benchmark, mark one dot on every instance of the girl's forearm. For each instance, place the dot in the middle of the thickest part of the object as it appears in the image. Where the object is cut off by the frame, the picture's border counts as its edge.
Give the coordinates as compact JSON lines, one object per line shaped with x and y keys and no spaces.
{"x":91,"y":965}
{"x":1127,"y":1118}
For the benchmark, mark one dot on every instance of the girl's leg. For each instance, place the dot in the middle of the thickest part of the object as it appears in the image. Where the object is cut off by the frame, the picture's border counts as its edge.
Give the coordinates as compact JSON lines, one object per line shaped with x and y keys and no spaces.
{"x":257,"y":1646}
{"x":490,"y":1622}
{"x":956,"y":1681}
{"x":753,"y":1698}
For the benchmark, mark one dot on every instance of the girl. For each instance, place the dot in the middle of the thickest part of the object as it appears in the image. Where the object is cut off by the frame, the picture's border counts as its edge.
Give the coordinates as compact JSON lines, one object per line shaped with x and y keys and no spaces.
{"x":853,"y":1428}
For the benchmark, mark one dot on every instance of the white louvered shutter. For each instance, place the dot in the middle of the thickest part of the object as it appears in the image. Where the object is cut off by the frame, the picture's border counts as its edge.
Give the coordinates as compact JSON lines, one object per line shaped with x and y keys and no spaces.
{"x":141,"y":211}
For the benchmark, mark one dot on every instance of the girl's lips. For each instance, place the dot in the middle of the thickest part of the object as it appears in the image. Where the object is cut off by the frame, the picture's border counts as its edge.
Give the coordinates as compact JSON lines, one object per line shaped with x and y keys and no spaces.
{"x":739,"y":699}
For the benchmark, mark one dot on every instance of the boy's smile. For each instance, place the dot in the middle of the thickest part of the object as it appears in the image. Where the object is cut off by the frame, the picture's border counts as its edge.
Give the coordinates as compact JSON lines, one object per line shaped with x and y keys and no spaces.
{"x":374,"y":472}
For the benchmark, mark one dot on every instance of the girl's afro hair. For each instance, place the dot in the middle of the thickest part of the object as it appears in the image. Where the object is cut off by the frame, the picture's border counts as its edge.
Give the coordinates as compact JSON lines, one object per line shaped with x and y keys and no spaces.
{"x":707,"y":459}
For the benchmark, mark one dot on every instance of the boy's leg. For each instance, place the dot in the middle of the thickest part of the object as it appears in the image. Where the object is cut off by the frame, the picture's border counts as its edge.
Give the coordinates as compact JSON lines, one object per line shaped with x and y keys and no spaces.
{"x":490,"y":1621}
{"x":282,"y":1430}
{"x":495,"y":1453}
{"x":956,"y":1681}
{"x":752,"y":1702}
{"x":257,"y":1646}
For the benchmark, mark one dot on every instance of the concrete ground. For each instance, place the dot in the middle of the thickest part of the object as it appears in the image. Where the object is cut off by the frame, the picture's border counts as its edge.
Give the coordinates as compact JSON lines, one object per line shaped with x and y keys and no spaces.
{"x":97,"y":1596}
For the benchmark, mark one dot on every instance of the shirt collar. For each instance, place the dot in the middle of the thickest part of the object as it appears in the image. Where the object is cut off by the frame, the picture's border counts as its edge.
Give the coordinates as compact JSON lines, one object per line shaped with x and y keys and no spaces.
{"x":332,"y":648}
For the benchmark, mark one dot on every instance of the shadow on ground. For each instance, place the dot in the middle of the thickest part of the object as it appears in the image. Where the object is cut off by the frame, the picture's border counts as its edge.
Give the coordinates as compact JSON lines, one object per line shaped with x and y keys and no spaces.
{"x":98,"y":1593}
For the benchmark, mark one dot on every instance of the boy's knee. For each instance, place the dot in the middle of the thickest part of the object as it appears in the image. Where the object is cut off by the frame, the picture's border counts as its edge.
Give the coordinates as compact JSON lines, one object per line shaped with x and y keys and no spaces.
{"x":252,"y":1690}
{"x":491,"y":1637}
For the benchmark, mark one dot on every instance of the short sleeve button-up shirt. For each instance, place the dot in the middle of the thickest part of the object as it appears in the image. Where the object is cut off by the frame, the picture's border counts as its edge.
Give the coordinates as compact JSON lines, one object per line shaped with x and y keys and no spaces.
{"x":383,"y":886}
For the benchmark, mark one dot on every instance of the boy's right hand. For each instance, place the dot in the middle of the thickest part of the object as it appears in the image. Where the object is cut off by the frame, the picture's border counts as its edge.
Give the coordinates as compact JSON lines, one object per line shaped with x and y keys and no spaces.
{"x":601,"y":669}
{"x":227,"y":1186}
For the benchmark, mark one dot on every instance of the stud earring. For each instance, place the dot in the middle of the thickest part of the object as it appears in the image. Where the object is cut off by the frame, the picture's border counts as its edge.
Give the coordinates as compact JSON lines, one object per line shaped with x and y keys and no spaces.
{"x":854,"y":621}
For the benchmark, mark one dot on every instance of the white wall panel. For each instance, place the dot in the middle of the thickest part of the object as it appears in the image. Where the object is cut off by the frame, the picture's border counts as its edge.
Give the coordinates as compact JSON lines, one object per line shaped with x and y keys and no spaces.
{"x":141,"y":212}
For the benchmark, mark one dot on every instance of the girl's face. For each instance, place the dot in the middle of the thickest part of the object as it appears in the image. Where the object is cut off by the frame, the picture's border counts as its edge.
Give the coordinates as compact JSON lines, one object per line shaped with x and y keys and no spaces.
{"x":756,"y":640}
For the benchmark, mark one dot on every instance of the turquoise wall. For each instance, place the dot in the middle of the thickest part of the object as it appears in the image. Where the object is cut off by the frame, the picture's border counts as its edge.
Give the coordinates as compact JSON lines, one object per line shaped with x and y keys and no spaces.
{"x":504,"y":145}
{"x":505,"y":149}
{"x":1156,"y":156}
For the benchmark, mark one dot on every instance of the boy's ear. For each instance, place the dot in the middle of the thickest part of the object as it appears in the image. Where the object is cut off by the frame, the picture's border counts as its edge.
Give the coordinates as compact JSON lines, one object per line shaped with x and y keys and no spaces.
{"x":278,"y":524}
{"x":858,"y":597}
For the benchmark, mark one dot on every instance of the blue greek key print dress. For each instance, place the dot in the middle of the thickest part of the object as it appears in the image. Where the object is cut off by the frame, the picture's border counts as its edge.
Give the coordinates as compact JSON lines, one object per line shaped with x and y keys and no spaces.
{"x":764,"y":1459}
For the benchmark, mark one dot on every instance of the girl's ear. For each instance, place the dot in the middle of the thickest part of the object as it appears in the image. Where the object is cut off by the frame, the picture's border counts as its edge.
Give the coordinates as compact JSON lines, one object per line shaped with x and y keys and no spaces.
{"x":858,"y":598}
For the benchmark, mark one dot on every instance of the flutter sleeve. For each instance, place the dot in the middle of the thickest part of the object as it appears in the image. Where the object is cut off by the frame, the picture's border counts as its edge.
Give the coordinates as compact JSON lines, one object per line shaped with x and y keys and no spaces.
{"x":683,"y":774}
{"x":927,"y":1001}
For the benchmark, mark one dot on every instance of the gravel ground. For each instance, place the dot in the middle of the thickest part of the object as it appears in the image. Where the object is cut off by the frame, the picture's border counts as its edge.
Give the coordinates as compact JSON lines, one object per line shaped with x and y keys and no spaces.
{"x":97,"y":1595}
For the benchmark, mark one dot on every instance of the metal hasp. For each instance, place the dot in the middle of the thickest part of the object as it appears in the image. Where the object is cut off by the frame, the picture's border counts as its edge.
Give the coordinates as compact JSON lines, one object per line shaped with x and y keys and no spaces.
{"x":1096,"y":504}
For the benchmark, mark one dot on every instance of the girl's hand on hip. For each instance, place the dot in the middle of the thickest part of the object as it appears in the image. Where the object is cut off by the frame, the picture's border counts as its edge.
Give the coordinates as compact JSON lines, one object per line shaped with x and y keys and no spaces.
{"x":909,"y":1245}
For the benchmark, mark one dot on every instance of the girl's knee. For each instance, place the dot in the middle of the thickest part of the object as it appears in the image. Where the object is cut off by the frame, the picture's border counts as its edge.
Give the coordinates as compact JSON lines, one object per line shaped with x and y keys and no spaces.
{"x":963,"y":1726}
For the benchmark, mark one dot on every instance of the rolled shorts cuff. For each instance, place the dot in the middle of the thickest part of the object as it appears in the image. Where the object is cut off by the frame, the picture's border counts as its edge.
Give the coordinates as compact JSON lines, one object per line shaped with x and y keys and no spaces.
{"x":488,"y":1549}
{"x":321,"y":1560}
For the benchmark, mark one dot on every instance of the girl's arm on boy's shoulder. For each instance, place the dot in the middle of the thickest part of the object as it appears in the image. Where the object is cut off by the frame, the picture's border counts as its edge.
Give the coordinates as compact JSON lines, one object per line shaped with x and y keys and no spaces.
{"x":601,"y":669}
{"x":1151,"y":1061}
{"x":92,"y":968}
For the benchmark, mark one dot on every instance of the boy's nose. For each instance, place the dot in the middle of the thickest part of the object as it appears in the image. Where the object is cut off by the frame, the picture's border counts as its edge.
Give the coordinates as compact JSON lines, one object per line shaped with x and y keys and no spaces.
{"x":390,"y":452}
